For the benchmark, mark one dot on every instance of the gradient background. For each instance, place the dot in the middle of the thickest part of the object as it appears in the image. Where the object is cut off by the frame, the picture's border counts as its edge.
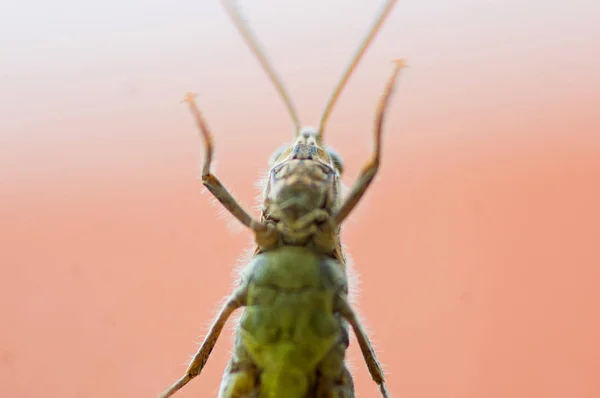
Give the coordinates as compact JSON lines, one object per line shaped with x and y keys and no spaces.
{"x":475,"y":244}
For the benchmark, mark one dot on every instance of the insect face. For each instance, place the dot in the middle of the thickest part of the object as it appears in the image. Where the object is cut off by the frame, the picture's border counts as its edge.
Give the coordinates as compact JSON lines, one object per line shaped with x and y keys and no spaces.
{"x":304,"y":176}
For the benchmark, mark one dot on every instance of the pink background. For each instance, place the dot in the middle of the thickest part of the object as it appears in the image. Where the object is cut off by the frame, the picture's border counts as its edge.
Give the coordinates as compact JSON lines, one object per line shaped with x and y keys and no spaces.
{"x":475,"y":245}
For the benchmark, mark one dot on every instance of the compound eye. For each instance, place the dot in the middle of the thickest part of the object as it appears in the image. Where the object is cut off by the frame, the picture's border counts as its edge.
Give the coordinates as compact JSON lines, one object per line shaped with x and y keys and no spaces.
{"x":336,"y":159}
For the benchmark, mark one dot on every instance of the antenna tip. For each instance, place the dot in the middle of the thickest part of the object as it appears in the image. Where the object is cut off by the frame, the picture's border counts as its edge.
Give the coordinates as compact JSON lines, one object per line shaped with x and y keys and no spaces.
{"x":400,"y":63}
{"x":189,"y":97}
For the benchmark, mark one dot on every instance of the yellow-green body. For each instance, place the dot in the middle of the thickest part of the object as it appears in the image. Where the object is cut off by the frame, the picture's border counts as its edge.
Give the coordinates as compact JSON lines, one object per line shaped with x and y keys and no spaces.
{"x":290,"y":341}
{"x":292,"y":337}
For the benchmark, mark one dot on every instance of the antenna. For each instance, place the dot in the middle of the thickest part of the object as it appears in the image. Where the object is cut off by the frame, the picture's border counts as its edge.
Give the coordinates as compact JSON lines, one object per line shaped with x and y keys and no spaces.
{"x":357,"y":57}
{"x":252,"y":42}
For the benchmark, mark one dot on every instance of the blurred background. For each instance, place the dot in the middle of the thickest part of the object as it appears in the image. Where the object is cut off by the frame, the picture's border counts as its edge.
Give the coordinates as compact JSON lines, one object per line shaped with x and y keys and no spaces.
{"x":474,"y":246}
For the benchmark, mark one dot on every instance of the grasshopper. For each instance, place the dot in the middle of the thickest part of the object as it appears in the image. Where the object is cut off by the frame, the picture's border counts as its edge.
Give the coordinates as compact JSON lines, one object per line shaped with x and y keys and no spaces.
{"x":293,"y":334}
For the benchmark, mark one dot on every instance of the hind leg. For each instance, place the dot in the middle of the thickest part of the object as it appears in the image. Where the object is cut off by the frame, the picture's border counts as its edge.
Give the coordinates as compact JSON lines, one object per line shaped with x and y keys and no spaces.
{"x":240,"y":379}
{"x":333,"y":378}
{"x":365,"y":345}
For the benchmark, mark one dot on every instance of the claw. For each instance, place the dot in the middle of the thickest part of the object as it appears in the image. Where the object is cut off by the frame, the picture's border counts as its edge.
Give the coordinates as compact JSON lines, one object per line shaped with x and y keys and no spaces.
{"x":189,"y":97}
{"x":400,"y":63}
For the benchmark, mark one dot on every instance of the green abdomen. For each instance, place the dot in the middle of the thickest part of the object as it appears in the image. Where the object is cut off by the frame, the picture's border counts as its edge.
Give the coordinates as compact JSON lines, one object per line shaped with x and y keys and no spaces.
{"x":289,"y":323}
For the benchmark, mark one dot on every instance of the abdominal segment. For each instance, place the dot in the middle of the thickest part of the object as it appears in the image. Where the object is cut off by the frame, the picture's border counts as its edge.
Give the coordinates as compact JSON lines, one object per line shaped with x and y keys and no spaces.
{"x":289,"y":344}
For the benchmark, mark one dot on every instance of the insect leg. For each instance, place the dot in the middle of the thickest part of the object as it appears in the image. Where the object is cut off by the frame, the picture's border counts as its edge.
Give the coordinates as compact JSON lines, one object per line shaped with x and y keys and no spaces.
{"x":236,"y":300}
{"x":370,"y":169}
{"x":212,"y":183}
{"x":365,"y":345}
